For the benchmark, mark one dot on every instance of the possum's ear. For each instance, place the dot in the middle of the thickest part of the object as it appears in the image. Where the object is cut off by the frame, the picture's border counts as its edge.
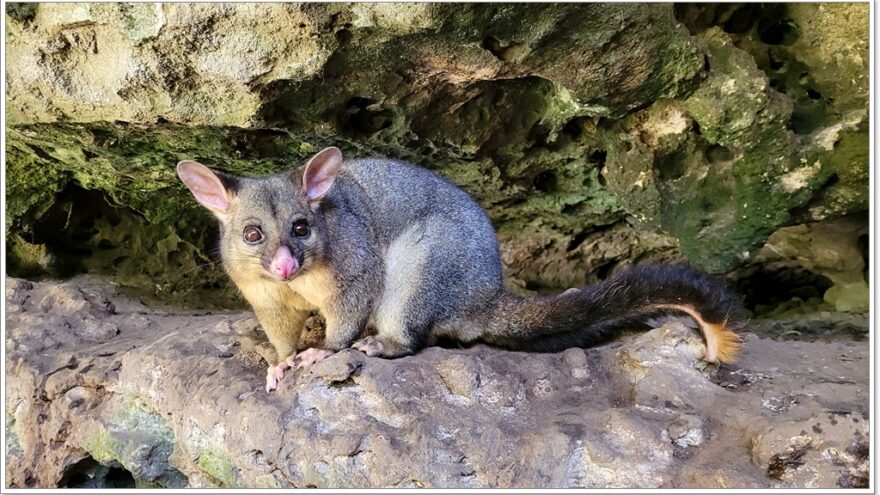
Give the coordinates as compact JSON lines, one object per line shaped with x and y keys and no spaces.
{"x":320,"y":173}
{"x":212,"y":189}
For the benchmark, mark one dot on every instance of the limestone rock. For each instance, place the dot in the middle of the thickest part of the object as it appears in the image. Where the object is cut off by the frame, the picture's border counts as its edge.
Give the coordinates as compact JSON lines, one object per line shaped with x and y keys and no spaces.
{"x":835,"y":250}
{"x":176,"y":399}
{"x":595,"y":135}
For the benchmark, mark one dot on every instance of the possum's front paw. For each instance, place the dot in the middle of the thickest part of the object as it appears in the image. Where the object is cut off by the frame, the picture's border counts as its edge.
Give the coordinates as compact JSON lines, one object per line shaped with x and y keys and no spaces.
{"x":274,"y":374}
{"x":309,"y":357}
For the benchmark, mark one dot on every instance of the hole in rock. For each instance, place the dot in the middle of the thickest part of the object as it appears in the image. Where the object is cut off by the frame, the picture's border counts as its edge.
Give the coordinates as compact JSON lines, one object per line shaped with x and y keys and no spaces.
{"x":263,"y":143}
{"x":540,"y":135}
{"x":778,"y":85}
{"x":671,"y":167}
{"x":807,"y":117}
{"x":492,"y":44}
{"x":718,"y":154}
{"x":606,"y":269}
{"x":358,"y":118}
{"x":742,"y":19}
{"x":89,"y":473}
{"x":545,"y":181}
{"x":784,"y":32}
{"x":573,"y":128}
{"x":775,"y":63}
{"x":69,"y":228}
{"x":864,"y":245}
{"x":777,"y":283}
{"x":506,"y":52}
{"x":344,"y":36}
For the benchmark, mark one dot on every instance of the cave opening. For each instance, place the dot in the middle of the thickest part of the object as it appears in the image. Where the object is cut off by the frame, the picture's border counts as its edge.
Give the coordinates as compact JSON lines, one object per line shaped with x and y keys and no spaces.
{"x":89,"y":473}
{"x":774,"y":284}
{"x":85,"y":231}
{"x":69,"y":232}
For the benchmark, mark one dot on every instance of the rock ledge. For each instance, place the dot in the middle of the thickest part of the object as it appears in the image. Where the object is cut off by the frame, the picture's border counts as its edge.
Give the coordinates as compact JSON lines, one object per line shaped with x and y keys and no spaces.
{"x":103,"y":391}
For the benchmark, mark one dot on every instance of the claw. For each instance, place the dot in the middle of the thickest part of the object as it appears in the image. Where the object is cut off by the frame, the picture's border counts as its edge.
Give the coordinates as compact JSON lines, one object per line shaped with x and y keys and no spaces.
{"x":309,"y":357}
{"x":275,"y":373}
{"x":303,"y":360}
{"x":371,"y":346}
{"x":271,"y":379}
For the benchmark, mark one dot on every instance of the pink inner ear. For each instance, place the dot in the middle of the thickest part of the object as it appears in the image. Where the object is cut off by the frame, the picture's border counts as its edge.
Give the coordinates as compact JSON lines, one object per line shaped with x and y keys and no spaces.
{"x":205,"y":186}
{"x":318,"y":186}
{"x":321,"y":172}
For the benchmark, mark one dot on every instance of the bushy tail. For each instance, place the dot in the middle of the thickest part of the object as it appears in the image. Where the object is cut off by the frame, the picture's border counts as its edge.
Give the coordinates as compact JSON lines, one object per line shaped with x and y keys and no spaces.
{"x":625,"y":301}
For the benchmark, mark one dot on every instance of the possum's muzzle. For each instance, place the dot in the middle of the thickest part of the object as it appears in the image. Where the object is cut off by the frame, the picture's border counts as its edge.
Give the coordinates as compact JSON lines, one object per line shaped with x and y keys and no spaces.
{"x":283,"y":266}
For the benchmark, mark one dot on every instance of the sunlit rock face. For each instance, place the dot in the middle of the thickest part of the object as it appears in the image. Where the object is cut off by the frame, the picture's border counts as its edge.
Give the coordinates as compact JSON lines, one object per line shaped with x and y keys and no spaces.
{"x":595,"y":135}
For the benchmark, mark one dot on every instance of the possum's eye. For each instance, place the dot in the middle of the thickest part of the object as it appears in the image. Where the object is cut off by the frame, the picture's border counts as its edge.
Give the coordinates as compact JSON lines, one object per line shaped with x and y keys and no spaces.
{"x":301,"y":228}
{"x":253,"y":234}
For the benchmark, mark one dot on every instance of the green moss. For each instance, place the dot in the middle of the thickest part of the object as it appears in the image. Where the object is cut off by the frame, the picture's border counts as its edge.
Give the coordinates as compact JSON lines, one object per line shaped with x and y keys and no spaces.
{"x":544,"y":113}
{"x":221,"y":468}
{"x":102,"y":447}
{"x":139,"y":440}
{"x":846,"y":191}
{"x":30,"y":183}
{"x":13,"y":445}
{"x":724,"y":205}
{"x":26,"y":258}
{"x":823,"y":71}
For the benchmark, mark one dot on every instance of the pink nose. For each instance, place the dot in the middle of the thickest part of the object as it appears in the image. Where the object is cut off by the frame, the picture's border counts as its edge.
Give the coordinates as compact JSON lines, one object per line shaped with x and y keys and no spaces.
{"x":284,"y":265}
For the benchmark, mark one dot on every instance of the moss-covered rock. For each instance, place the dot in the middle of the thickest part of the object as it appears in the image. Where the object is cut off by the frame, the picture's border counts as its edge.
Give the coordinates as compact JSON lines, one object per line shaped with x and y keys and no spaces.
{"x":835,"y":249}
{"x":595,"y":135}
{"x":136,"y":438}
{"x":816,"y":55}
{"x":734,"y":173}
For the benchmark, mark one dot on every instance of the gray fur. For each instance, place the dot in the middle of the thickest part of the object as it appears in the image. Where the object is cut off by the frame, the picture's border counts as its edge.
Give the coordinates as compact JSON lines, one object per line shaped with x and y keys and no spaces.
{"x":398,"y":248}
{"x":445,"y":266}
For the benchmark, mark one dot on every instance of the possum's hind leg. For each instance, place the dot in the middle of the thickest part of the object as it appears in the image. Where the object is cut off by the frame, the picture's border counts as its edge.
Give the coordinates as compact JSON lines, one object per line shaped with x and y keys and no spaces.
{"x":400,"y":317}
{"x":382,"y":347}
{"x":428,"y":284}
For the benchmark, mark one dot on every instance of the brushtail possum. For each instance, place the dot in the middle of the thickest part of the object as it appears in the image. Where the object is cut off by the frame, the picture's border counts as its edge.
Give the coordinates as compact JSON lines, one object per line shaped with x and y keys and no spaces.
{"x":389,"y":245}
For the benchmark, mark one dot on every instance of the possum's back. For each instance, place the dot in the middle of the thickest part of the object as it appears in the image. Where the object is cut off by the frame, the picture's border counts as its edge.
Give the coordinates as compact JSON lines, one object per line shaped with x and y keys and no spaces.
{"x":402,"y":194}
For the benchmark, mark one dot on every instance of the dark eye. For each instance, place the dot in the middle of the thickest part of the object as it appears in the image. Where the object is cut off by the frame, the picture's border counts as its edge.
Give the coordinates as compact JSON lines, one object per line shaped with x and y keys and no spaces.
{"x":253,"y":234}
{"x":301,"y":228}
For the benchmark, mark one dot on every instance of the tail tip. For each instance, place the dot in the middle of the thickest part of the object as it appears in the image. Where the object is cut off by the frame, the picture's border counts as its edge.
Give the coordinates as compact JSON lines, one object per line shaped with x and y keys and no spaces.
{"x":723,"y":344}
